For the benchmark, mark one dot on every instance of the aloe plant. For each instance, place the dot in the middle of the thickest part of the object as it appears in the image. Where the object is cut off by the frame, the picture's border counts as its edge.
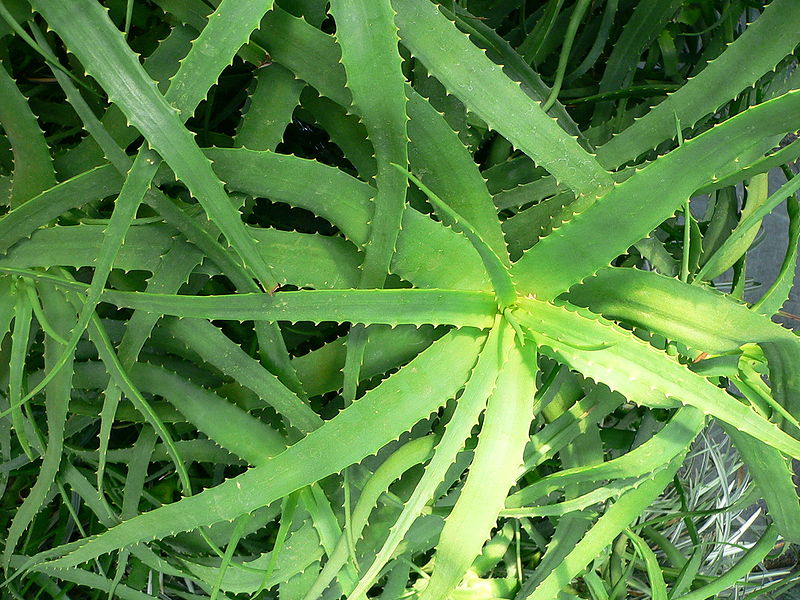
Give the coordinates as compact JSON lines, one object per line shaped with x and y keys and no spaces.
{"x":468,"y":362}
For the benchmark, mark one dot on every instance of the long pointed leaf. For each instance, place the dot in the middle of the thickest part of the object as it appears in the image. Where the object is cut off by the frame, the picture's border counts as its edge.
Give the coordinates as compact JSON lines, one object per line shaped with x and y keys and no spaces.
{"x":280,"y":476}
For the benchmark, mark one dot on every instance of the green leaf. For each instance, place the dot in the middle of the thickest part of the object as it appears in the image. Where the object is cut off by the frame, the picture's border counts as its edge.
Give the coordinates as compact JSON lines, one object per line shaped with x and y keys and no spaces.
{"x":33,"y":166}
{"x":20,"y":338}
{"x":495,"y":265}
{"x":437,"y":156}
{"x":556,"y":263}
{"x":762,"y":45}
{"x":300,"y":552}
{"x":402,"y":459}
{"x":710,"y":321}
{"x":272,"y":102}
{"x":741,"y":237}
{"x":229,"y":28}
{"x":570,"y":424}
{"x":325,"y":262}
{"x":217,"y":350}
{"x":647,"y":20}
{"x":658,"y":589}
{"x":778,"y":293}
{"x":615,"y":519}
{"x":774,"y":477}
{"x":493,"y":471}
{"x":367,"y":34}
{"x":746,"y":564}
{"x":637,"y":370}
{"x":294,"y":468}
{"x":425,"y":249}
{"x":56,"y":404}
{"x":468,"y":74}
{"x":670,"y":442}
{"x":445,"y":165}
{"x":117,"y":69}
{"x":85,"y":188}
{"x":470,"y":405}
{"x":134,"y":188}
{"x":228,"y":425}
{"x":501,"y":52}
{"x":392,"y":307}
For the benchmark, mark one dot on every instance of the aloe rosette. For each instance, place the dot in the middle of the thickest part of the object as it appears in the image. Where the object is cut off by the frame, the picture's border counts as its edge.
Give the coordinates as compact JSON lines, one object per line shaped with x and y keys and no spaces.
{"x":466,"y":368}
